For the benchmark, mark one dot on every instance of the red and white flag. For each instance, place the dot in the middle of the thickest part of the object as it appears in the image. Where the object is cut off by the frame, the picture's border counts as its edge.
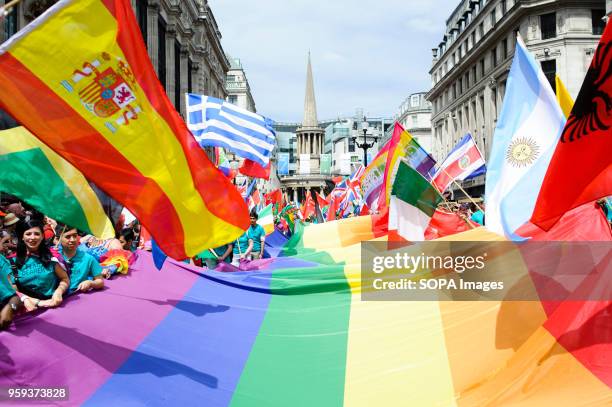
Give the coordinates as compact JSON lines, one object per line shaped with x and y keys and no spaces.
{"x":465,"y":161}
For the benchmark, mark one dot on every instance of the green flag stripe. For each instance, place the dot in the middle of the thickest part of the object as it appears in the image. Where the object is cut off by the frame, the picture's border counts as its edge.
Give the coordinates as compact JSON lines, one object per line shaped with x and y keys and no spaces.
{"x":30,"y":176}
{"x":299,"y":356}
{"x":412,"y":188}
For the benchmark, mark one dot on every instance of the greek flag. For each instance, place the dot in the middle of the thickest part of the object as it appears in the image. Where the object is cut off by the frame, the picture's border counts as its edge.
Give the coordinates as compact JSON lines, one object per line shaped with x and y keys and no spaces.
{"x":217,"y":123}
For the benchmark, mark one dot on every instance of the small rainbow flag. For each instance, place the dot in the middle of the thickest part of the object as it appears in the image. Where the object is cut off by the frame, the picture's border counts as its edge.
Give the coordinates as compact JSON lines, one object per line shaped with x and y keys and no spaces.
{"x":403,"y":145}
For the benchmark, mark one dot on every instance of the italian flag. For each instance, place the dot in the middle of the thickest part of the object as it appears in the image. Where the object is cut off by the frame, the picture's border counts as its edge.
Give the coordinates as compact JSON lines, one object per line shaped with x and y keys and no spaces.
{"x":266,"y":219}
{"x":413,"y":203}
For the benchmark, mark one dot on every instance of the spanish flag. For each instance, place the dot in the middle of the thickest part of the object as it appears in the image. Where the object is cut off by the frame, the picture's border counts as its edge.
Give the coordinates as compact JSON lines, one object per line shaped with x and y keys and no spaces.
{"x":80,"y":79}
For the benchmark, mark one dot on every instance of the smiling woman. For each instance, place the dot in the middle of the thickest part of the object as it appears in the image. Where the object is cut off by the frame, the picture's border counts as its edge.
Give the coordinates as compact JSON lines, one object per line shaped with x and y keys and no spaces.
{"x":36,"y":272}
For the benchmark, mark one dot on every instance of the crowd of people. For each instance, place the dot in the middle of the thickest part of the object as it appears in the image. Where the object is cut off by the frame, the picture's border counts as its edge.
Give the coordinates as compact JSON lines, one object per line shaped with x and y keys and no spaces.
{"x":43,"y":261}
{"x":249,"y":246}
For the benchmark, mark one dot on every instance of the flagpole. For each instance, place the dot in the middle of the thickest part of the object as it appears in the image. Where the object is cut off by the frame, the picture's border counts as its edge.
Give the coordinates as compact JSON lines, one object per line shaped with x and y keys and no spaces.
{"x":462,"y":190}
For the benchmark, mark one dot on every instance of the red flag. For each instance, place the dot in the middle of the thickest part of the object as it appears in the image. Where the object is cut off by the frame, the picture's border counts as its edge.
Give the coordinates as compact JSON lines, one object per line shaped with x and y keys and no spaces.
{"x":333,"y":207}
{"x":585,"y":223}
{"x":255,"y":170}
{"x":445,"y":223}
{"x":309,"y":206}
{"x":364,"y":210}
{"x":580,"y":170}
{"x":276,"y":196}
{"x":380,"y":222}
{"x":338,"y":179}
{"x":322,"y":201}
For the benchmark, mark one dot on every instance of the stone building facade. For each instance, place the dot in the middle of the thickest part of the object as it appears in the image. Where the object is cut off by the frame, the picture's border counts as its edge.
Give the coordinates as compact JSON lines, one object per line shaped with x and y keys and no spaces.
{"x":415,"y":116}
{"x":237,"y":86}
{"x":472,"y":62}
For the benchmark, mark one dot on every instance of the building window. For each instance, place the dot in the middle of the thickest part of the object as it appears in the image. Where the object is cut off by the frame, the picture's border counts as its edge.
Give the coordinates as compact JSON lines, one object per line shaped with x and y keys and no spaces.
{"x":482,"y":68}
{"x":473,"y":38}
{"x":161,"y":62}
{"x":548,"y":25}
{"x":141,"y":14}
{"x":599,"y":25}
{"x":415,"y":100}
{"x":493,"y":18}
{"x":494,"y":57}
{"x":505,"y":48}
{"x":415,"y":121}
{"x":189,"y":73}
{"x":177,"y":75}
{"x":10,"y":24}
{"x":233,"y":99}
{"x":481,"y":30}
{"x":550,"y":70}
{"x":351,"y":145}
{"x":504,"y":7}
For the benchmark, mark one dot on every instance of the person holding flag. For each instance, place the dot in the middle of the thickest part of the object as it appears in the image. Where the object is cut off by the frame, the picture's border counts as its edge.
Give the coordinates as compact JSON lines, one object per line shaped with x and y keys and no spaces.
{"x":256,"y":236}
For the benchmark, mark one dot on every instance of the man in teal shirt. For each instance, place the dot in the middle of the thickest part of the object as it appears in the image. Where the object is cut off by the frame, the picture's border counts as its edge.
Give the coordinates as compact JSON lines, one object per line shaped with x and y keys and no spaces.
{"x":84,"y":270}
{"x":257,"y":235}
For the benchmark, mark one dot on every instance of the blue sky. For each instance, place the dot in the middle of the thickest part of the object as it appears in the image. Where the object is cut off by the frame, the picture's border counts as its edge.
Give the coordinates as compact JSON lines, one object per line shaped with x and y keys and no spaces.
{"x":368,"y":54}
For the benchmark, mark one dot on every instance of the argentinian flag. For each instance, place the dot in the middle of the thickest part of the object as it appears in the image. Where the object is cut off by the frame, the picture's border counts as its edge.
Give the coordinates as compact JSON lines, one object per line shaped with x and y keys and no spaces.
{"x":527,"y":133}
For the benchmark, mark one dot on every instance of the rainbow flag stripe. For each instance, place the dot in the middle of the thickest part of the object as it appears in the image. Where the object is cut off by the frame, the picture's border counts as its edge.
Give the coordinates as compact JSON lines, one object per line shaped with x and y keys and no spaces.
{"x":295,"y":332}
{"x":79,"y":78}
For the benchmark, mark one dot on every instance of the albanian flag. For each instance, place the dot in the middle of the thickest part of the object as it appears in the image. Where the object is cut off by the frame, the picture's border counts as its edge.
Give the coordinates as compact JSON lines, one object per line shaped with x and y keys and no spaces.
{"x":580,"y":170}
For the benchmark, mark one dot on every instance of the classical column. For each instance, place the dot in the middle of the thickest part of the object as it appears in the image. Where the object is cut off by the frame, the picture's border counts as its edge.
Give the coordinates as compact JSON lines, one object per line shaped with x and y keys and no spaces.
{"x":170,"y":40}
{"x":295,"y":195}
{"x":184,"y":76}
{"x":152,"y":31}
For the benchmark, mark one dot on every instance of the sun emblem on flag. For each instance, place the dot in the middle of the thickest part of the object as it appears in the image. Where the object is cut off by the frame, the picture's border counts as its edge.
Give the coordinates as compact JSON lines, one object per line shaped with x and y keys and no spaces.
{"x":522,"y":152}
{"x":464,"y":162}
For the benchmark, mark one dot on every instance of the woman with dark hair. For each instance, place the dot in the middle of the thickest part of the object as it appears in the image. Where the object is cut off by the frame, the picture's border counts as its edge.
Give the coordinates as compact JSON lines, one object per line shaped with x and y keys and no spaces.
{"x":36,"y":272}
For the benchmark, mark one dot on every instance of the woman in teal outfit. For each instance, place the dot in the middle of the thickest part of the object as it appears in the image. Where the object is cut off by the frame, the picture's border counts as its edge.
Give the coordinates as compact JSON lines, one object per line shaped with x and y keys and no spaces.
{"x":9,"y":301}
{"x":36,"y":273}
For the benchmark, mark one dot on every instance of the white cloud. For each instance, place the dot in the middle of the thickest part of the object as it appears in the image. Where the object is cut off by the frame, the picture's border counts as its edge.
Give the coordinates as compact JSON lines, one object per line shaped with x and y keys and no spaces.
{"x":365,"y":54}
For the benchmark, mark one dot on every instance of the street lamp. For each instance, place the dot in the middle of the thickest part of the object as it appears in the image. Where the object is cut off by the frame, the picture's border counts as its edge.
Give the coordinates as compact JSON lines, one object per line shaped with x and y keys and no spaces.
{"x":234,"y":166}
{"x":365,"y":146}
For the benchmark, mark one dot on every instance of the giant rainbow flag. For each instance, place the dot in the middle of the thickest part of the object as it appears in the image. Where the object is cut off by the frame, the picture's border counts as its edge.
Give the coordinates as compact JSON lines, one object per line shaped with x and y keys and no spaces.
{"x":79,"y":78}
{"x":294,"y":331}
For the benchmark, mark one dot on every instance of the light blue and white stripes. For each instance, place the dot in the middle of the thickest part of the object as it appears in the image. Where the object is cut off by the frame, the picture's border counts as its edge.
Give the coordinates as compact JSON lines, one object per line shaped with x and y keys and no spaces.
{"x":527,"y":132}
{"x":216,"y":123}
